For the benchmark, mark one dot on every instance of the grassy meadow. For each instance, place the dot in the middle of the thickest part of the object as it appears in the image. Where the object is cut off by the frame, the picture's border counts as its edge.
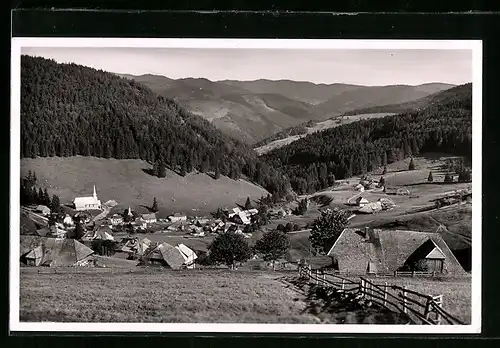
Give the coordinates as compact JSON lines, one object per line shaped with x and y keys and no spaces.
{"x":186,"y":296}
{"x":126,"y":182}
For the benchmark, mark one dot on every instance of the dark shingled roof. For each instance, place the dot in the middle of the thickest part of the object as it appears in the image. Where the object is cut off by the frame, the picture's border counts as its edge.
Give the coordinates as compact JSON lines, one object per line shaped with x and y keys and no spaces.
{"x":388,"y":250}
{"x":56,"y":251}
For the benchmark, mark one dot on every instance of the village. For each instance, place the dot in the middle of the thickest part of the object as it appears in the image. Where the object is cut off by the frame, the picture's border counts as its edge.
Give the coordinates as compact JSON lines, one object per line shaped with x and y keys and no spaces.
{"x":178,"y":241}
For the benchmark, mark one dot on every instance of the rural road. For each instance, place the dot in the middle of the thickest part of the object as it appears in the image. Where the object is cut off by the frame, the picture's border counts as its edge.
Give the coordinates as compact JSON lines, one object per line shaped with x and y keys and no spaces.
{"x":102,"y":215}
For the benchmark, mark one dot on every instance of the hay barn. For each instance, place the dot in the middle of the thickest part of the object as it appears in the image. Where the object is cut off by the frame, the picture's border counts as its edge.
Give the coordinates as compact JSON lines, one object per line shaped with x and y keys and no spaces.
{"x":386,"y":251}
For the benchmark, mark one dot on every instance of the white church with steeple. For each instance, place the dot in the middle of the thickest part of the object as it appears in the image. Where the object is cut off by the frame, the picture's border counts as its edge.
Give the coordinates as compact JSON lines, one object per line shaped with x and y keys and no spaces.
{"x":87,"y":203}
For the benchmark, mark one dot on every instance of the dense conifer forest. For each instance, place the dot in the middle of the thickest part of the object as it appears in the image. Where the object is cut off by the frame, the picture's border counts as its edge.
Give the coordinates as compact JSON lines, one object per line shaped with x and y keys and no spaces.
{"x":69,"y":110}
{"x":317,"y":160}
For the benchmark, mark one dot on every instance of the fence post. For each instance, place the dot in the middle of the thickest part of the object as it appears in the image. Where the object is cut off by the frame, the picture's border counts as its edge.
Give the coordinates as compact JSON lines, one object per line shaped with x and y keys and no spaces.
{"x":427,"y":309}
{"x":316,"y":276}
{"x":324,"y":279}
{"x":405,"y":302}
{"x":395,"y":274}
{"x":385,"y":294}
{"x":439,"y":303}
{"x":362,"y":287}
{"x":343,"y":284}
{"x":413,"y":274}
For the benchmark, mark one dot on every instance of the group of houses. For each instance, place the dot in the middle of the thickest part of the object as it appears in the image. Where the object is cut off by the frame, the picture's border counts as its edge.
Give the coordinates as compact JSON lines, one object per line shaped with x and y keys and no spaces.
{"x":164,"y":254}
{"x":367,"y":207}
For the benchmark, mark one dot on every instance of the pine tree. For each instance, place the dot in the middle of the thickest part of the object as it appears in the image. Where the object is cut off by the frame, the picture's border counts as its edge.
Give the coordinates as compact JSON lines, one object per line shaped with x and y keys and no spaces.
{"x":41,"y":196}
{"x":55,"y":204}
{"x":411,"y":166}
{"x":217,"y":172}
{"x":46,"y":197}
{"x":162,"y":169}
{"x":430,"y":178}
{"x":154,"y":207}
{"x":36,"y":199}
{"x":381,"y":182}
{"x":248,"y":204}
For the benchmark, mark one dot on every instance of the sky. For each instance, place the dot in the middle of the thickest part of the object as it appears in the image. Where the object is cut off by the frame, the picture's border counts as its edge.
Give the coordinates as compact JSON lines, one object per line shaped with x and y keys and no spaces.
{"x":363,"y":67}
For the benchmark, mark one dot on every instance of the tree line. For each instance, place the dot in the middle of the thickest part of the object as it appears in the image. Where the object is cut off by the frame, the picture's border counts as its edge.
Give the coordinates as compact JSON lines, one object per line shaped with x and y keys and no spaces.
{"x":30,"y":194}
{"x":69,"y":110}
{"x":317,"y":160}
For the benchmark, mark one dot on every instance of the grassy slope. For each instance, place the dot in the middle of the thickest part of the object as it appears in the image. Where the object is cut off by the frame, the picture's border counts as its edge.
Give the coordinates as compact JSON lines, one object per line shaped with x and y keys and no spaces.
{"x":125,"y":182}
{"x":191,"y":296}
{"x":456,"y":292}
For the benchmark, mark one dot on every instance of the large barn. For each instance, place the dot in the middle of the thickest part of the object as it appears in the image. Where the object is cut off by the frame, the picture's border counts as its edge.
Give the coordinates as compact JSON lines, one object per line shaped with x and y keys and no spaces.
{"x":53,"y":252}
{"x":386,"y":251}
{"x":87,"y":203}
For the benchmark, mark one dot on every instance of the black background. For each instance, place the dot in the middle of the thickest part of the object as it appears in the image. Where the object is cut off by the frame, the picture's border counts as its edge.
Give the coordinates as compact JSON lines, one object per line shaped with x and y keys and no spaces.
{"x":252,"y":23}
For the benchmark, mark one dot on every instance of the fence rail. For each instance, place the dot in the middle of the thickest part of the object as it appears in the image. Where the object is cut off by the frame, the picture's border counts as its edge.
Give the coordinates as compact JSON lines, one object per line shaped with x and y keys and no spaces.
{"x":419,"y":308}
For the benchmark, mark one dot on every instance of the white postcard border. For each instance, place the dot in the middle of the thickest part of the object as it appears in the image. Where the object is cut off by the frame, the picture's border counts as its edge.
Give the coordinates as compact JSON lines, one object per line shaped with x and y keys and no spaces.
{"x":310,"y":44}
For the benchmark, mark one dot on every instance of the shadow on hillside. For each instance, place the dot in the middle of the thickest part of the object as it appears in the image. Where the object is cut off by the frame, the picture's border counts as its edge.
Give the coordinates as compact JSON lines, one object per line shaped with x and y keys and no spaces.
{"x":334,"y":307}
{"x":150,"y":209}
{"x":149,"y":171}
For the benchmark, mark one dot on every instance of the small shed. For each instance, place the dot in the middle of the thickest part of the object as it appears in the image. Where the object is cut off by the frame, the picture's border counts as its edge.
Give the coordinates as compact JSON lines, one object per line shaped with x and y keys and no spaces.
{"x":359,"y":188}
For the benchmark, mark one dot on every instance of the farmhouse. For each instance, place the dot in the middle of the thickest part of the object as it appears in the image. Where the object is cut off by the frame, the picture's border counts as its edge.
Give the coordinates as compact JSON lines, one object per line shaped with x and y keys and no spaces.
{"x":44,"y":210}
{"x":149,"y":218}
{"x":387,"y":251}
{"x":359,"y":187}
{"x":177,"y":217}
{"x":370,"y":208}
{"x":135,"y":246}
{"x":53,"y":252}
{"x":103,"y":233}
{"x":169,"y":256}
{"x":116,"y":219}
{"x":68,"y":220}
{"x":361,"y":201}
{"x":87,"y":203}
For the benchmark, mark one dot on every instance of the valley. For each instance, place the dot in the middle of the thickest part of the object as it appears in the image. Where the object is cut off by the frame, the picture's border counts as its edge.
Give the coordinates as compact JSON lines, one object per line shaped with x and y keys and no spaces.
{"x":151,"y":199}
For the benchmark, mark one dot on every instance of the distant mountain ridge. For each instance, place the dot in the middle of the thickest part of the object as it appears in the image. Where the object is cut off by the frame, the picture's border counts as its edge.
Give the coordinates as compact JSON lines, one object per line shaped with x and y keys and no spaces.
{"x":409,"y":106}
{"x":254,"y":110}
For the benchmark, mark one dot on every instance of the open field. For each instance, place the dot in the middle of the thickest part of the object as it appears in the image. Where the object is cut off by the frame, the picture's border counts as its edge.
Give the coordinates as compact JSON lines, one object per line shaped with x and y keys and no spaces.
{"x":126,"y":182}
{"x":318,"y":127}
{"x":190,"y":296}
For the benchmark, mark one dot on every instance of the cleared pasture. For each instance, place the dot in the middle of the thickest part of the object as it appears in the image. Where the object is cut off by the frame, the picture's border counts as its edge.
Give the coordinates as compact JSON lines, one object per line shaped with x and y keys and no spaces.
{"x":172,"y":297}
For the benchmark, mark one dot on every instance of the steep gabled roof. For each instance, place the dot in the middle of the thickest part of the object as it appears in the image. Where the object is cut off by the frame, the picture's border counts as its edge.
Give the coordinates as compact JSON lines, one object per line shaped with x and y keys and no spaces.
{"x":56,"y":251}
{"x":389,"y":250}
{"x":172,"y":256}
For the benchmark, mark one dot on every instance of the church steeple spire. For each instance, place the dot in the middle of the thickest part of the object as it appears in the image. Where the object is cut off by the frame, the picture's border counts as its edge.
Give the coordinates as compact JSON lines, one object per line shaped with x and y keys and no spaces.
{"x":95,"y":194}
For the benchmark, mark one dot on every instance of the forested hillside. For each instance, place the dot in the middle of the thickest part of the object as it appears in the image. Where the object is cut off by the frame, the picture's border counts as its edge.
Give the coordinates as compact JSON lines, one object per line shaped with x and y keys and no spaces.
{"x":68,"y":110}
{"x":315,"y":161}
{"x":410,"y":106}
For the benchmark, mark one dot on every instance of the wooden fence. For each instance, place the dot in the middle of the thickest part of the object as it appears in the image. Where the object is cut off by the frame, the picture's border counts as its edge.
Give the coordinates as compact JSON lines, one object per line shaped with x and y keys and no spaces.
{"x":419,"y":308}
